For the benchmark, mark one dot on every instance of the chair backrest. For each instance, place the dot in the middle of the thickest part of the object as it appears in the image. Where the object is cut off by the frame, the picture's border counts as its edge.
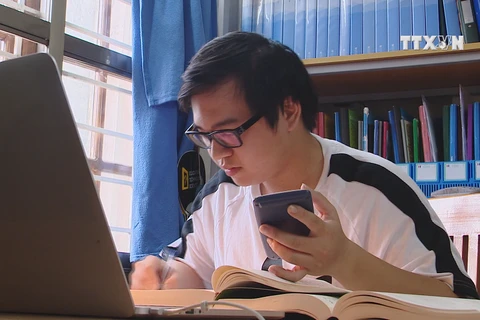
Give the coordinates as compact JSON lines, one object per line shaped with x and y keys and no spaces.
{"x":461,"y":218}
{"x":126,"y":264}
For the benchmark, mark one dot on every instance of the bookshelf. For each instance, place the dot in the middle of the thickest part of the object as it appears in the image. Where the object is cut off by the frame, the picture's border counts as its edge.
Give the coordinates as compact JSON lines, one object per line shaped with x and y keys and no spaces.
{"x":387,"y":81}
{"x":390,"y":75}
{"x":381,"y":80}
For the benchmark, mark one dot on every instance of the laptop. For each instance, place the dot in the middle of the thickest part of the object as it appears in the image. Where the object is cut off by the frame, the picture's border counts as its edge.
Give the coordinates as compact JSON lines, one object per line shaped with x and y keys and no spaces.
{"x":58,"y":255}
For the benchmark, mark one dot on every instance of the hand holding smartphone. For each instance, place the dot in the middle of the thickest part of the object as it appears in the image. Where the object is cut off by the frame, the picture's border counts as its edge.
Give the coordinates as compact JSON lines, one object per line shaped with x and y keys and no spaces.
{"x":271,"y":209}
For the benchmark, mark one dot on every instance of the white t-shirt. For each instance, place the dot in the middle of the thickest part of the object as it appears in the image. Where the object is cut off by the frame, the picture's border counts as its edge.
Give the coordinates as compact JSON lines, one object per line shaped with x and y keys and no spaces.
{"x":380,"y":208}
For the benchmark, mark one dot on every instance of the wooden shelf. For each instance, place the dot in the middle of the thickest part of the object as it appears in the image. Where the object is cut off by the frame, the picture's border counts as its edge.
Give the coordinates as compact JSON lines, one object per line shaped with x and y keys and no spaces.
{"x":390,"y":73}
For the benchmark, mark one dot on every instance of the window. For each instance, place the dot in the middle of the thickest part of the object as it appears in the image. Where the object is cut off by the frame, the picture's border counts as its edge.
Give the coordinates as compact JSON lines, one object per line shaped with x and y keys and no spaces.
{"x":12,"y":46}
{"x":36,"y":8}
{"x":107,"y":23}
{"x":102,"y":106}
{"x":101,"y":100}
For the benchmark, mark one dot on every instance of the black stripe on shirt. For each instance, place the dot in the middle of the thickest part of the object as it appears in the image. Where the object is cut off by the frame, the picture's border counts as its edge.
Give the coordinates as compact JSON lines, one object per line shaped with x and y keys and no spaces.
{"x":210,"y":187}
{"x":400,"y":194}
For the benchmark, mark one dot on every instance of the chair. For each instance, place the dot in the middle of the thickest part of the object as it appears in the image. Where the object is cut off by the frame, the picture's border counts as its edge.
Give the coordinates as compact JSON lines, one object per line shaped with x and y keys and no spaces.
{"x":461,"y":217}
{"x":125,"y":261}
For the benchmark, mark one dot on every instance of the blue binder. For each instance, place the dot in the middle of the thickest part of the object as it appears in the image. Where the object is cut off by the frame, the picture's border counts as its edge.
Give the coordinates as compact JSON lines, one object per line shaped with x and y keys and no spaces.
{"x":258,"y":17}
{"x":333,"y":28}
{"x":418,"y":19}
{"x":406,"y":23}
{"x":393,"y":25}
{"x":476,"y":130}
{"x":268,"y":19}
{"x":247,"y":15}
{"x":453,"y":132}
{"x":338,"y":135}
{"x":322,"y":29}
{"x":311,"y":29}
{"x":381,"y":29}
{"x":345,"y":15}
{"x":356,"y":27}
{"x":300,"y":18}
{"x":432,"y":24}
{"x":278,"y":20}
{"x":393,"y":128}
{"x":368,"y":26}
{"x":289,"y":23}
{"x":451,"y":17}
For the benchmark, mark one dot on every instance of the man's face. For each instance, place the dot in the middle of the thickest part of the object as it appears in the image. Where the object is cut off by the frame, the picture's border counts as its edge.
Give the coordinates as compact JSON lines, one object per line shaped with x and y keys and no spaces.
{"x":262,"y":151}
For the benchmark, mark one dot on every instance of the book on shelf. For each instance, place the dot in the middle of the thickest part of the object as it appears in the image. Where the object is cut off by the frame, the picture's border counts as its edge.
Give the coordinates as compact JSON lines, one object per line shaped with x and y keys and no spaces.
{"x":361,"y":26}
{"x":408,"y":134}
{"x":430,"y":129}
{"x":262,"y":291}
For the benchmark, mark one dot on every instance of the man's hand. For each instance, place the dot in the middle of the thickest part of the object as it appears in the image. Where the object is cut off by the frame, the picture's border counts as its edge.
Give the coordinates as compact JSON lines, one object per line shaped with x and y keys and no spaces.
{"x":153,"y":273}
{"x":147,"y":273}
{"x":327,"y":251}
{"x":321,"y":253}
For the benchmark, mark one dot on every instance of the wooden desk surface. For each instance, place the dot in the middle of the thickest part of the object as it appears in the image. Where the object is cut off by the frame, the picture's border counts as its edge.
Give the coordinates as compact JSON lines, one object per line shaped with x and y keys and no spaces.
{"x":14,"y":316}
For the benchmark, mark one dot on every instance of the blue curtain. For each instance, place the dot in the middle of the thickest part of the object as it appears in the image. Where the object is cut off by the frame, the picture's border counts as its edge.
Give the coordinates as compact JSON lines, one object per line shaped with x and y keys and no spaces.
{"x":166,"y":34}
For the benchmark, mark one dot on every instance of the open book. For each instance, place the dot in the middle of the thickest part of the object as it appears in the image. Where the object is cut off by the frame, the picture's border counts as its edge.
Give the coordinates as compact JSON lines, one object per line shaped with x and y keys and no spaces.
{"x":261,"y":290}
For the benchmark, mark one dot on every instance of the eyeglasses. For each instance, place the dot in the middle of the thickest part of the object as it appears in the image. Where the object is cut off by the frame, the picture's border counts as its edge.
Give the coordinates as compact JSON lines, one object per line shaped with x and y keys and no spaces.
{"x":227,"y":138}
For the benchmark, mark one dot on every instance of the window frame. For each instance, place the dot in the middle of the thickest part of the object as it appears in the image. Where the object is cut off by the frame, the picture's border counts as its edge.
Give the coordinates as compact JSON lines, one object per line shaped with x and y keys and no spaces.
{"x":105,"y":63}
{"x":38,"y":30}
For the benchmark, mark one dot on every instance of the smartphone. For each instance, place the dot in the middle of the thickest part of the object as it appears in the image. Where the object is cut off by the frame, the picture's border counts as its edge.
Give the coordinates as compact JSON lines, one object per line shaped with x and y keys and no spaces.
{"x":272,"y":209}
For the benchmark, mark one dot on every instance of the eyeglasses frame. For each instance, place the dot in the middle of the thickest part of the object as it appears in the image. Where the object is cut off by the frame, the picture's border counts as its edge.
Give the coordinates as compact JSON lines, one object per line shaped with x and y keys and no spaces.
{"x":238,"y":131}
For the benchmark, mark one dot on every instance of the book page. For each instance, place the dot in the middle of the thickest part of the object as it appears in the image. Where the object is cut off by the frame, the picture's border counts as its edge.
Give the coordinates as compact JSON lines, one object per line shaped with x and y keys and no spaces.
{"x":395,"y":306}
{"x":438,"y":303}
{"x":405,"y":305}
{"x":329,"y":301}
{"x":315,"y":306}
{"x":228,"y":276}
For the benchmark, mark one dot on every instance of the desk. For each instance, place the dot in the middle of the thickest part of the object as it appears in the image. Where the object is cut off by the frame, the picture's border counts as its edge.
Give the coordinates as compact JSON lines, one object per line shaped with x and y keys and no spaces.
{"x":14,"y":316}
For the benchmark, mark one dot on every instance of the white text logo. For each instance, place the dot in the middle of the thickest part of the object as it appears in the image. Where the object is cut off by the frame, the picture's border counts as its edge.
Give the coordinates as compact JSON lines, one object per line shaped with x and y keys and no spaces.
{"x":432,"y":42}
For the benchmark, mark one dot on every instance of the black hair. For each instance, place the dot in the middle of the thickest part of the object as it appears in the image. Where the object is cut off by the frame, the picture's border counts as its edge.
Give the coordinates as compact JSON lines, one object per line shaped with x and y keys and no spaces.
{"x":265,"y":71}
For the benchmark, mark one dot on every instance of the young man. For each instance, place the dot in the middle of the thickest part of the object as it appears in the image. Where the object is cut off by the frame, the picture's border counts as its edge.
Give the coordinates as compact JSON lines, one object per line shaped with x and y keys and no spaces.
{"x":254,"y":106}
